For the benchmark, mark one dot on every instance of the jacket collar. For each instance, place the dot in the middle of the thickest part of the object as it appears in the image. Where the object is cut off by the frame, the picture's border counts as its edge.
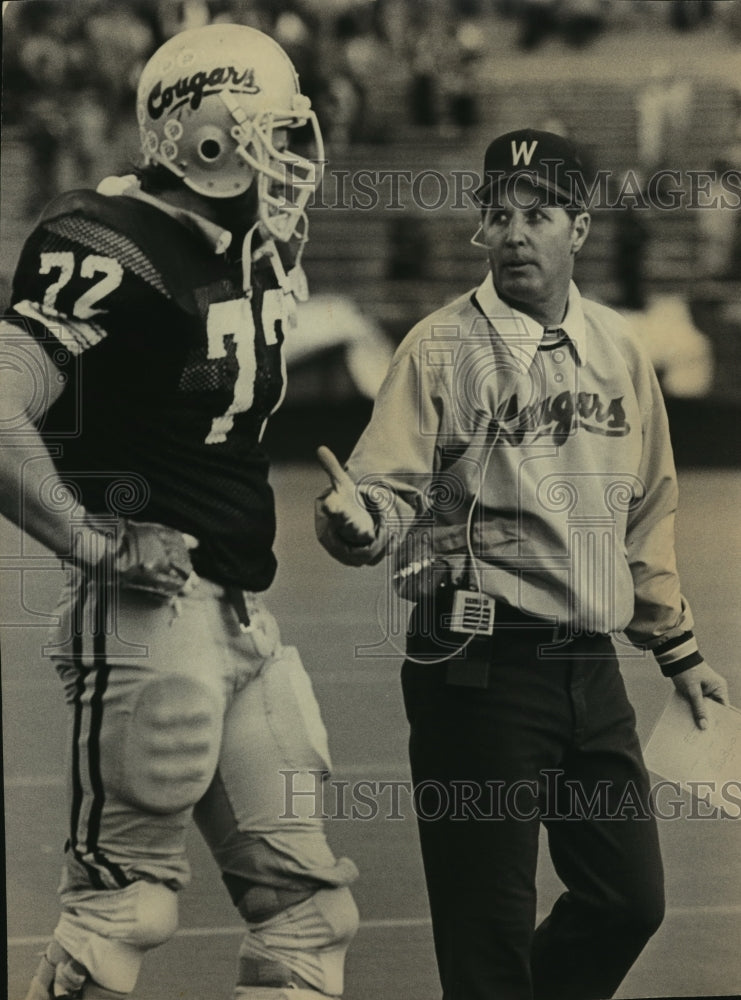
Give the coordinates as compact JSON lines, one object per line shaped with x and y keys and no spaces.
{"x":523,"y":334}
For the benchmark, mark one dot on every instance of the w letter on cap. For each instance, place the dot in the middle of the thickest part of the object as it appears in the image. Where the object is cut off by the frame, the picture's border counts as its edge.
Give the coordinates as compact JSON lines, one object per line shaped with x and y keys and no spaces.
{"x":523,"y":152}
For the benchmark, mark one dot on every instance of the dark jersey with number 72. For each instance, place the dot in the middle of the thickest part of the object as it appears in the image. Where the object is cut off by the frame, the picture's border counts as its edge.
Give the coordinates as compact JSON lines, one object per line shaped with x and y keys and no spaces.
{"x":170,"y":374}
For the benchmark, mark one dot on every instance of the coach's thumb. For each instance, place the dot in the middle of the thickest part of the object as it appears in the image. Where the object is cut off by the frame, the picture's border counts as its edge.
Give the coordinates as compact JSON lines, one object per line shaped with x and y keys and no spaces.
{"x":337,"y":475}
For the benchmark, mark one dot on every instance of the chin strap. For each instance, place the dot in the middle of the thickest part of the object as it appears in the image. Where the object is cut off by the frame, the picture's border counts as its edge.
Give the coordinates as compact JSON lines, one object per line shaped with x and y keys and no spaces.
{"x":292,"y":284}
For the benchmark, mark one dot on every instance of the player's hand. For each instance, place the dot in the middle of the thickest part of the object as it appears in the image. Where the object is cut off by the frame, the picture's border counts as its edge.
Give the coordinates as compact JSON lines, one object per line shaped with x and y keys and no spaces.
{"x":351,"y":520}
{"x":153,"y":559}
{"x":698,"y":683}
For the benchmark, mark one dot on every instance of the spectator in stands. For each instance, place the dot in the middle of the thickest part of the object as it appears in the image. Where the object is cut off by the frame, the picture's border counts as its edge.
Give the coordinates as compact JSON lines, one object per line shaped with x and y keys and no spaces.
{"x":631,"y":239}
{"x":63,"y":116}
{"x":121,"y":42}
{"x":176,"y":17}
{"x":392,"y":18}
{"x":687,"y":14}
{"x":717,"y":226}
{"x":576,"y":21}
{"x":347,"y":75}
{"x":468,"y":45}
{"x":664,"y":107}
{"x":733,"y":19}
{"x":581,"y":20}
{"x":733,"y":153}
{"x":252,"y":15}
{"x":424,"y":92}
{"x":409,"y":248}
{"x":539,"y":20}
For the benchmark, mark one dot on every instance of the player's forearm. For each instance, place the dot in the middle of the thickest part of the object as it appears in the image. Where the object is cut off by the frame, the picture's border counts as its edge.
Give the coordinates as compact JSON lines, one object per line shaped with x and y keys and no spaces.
{"x":33,"y":496}
{"x":31,"y":492}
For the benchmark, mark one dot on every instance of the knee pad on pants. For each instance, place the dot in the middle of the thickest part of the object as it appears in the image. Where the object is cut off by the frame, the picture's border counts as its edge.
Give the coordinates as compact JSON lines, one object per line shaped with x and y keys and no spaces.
{"x":163,"y":759}
{"x":109,"y":932}
{"x":309,"y":938}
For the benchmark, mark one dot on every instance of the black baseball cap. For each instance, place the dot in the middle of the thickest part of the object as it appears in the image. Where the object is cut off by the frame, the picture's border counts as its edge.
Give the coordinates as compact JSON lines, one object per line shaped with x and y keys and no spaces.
{"x":545,"y":159}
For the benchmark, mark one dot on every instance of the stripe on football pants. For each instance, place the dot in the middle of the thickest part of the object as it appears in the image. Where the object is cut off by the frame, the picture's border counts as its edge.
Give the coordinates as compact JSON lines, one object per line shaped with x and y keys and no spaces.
{"x":100,"y":672}
{"x":78,"y":792}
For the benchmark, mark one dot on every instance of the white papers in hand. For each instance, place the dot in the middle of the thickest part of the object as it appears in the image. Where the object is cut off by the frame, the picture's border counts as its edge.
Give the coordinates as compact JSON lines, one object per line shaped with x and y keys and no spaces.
{"x":705,"y":761}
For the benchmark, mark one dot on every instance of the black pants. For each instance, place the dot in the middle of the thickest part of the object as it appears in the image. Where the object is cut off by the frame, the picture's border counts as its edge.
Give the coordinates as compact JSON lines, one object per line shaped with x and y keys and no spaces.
{"x":548,"y":740}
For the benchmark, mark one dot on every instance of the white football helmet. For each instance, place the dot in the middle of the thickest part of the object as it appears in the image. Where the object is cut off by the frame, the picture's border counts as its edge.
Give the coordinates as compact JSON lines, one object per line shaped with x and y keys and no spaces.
{"x":213,"y":104}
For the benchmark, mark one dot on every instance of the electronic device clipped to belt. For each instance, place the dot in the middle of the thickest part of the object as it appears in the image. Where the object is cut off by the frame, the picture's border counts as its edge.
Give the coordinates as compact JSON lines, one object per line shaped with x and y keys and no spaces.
{"x":452,"y":625}
{"x":468,"y":612}
{"x":463,"y":609}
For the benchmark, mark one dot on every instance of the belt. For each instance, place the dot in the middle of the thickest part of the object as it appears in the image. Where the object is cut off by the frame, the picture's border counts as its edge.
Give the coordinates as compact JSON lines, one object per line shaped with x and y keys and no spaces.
{"x":467,"y":657}
{"x":507,"y":617}
{"x":433,"y":617}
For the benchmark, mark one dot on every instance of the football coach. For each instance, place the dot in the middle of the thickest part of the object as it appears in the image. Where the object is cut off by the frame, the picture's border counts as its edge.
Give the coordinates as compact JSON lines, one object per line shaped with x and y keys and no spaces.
{"x":518,"y":469}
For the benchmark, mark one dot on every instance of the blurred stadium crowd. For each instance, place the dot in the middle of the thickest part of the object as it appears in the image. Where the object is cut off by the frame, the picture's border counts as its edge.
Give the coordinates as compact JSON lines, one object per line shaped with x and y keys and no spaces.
{"x":423,"y":84}
{"x":70,"y":73}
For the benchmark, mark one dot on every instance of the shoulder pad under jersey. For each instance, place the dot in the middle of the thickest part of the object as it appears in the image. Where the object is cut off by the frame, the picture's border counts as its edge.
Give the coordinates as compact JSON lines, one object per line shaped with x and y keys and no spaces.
{"x":120,"y":225}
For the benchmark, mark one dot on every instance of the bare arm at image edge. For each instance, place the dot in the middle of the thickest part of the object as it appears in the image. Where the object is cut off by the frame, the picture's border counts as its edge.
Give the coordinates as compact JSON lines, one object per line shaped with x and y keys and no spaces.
{"x":27,"y":470}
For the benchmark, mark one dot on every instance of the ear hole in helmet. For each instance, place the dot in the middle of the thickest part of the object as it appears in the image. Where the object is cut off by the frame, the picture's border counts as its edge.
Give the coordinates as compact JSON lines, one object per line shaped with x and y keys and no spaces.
{"x":210,"y":149}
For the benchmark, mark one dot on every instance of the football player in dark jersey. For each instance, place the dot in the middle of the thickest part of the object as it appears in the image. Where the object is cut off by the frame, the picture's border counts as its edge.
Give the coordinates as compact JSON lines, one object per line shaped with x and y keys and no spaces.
{"x":143,"y":359}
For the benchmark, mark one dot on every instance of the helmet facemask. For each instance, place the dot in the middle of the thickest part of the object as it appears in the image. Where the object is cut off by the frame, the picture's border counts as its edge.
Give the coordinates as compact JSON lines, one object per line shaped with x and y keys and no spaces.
{"x":285,"y":179}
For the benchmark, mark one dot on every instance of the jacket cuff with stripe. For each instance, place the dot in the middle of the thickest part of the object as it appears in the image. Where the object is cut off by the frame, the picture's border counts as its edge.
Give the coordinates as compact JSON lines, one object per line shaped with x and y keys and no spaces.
{"x":677,"y":654}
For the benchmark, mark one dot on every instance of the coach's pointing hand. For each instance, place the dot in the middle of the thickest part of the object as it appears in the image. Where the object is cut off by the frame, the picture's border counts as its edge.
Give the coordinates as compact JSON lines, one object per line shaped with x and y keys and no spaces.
{"x":342,"y":505}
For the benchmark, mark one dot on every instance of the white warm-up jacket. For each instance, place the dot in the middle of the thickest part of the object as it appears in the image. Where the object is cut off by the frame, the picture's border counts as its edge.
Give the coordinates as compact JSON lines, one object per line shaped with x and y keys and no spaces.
{"x":545,"y":456}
